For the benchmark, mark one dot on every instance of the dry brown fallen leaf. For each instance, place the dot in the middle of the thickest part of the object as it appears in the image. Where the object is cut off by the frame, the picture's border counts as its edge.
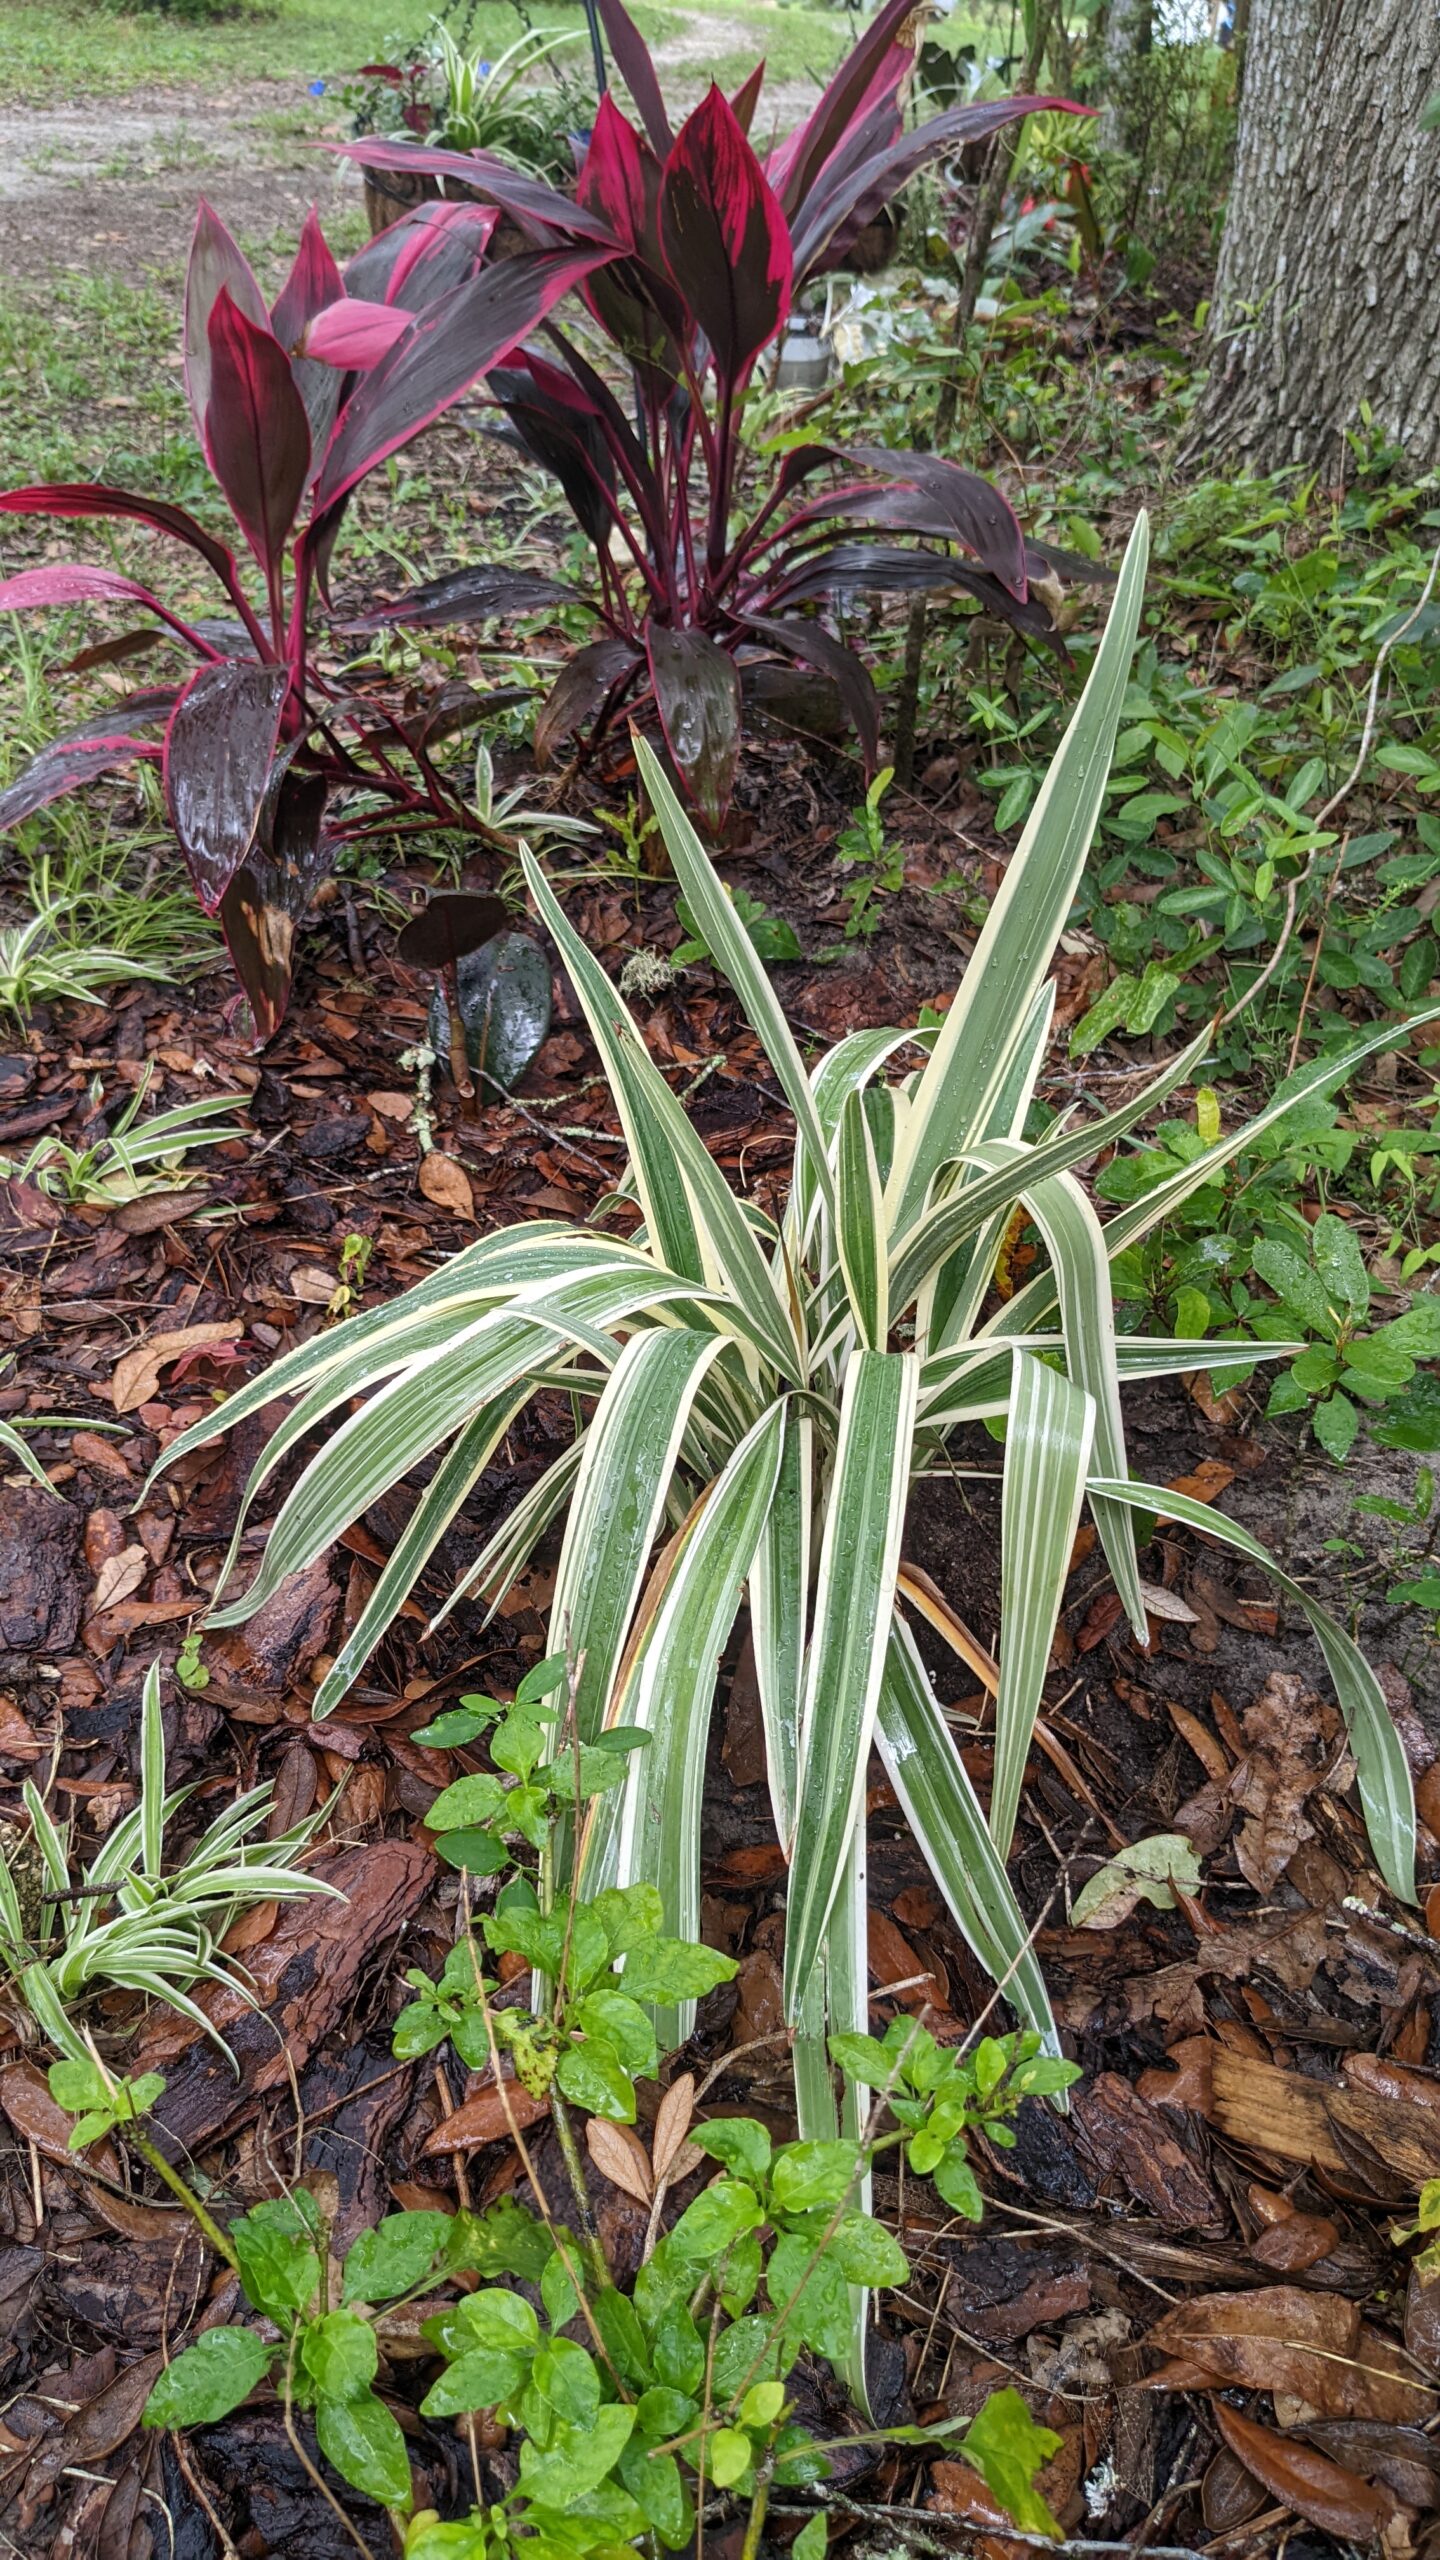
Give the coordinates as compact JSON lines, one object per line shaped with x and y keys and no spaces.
{"x":620,"y":2156}
{"x":446,"y":1183}
{"x":137,"y":1371}
{"x":1336,"y":2500}
{"x":487,"y":2117}
{"x":1309,"y":2348}
{"x":118,"y":1578}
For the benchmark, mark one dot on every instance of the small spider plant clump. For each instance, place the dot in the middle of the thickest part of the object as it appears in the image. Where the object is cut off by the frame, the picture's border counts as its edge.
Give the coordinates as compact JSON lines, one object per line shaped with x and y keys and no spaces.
{"x":134,"y":1157}
{"x":126,"y":1924}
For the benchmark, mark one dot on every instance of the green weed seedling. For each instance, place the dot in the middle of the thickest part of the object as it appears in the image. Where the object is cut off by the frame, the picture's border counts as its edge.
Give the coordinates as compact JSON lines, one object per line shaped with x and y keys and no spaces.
{"x":865,"y":848}
{"x":774,"y":939}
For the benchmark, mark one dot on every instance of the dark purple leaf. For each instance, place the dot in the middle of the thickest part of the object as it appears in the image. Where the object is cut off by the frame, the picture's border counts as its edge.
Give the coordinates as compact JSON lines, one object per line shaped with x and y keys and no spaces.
{"x":697,"y":694}
{"x":269,"y":894}
{"x":633,"y":300}
{"x":1040,"y":556}
{"x":541,"y":211}
{"x":148,"y":709}
{"x":217,"y":266}
{"x":635,"y":64}
{"x":872,"y":70}
{"x":795,"y":698}
{"x":867,"y":184}
{"x":219,"y":757}
{"x":451,"y":923}
{"x":725,"y":238}
{"x":257,"y":433}
{"x":586,"y":686}
{"x":93,"y":498}
{"x":66,"y":765}
{"x":464,"y":595}
{"x":431,"y":248}
{"x":817,"y":648}
{"x":470,"y":329}
{"x":71,"y":582}
{"x":112,"y":653}
{"x":456,"y":706}
{"x":971,"y":510}
{"x":559,"y":428}
{"x":747,"y":98}
{"x":852,"y":568}
{"x":619,"y":176}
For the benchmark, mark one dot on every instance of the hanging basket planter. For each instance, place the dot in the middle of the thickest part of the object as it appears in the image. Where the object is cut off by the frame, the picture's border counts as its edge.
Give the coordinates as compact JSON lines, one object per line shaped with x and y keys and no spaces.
{"x":389,"y":193}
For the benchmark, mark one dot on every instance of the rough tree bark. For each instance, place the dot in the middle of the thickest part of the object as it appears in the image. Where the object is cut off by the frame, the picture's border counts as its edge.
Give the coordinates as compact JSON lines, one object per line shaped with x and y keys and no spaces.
{"x":1328,"y":291}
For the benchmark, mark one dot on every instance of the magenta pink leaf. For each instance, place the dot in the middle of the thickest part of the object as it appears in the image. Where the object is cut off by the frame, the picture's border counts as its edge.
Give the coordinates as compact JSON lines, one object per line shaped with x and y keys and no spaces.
{"x":93,"y":498}
{"x":354,"y":335}
{"x":217,"y":265}
{"x":313,"y":283}
{"x":614,"y":173}
{"x":256,"y":430}
{"x":220,"y":751}
{"x":66,"y":765}
{"x":725,"y":238}
{"x":697,"y":694}
{"x":71,"y":582}
{"x":441,"y":245}
{"x":470,"y":329}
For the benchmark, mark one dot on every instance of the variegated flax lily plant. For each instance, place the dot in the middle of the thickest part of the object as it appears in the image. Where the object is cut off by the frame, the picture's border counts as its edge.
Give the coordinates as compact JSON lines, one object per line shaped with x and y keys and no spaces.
{"x":763,"y":1396}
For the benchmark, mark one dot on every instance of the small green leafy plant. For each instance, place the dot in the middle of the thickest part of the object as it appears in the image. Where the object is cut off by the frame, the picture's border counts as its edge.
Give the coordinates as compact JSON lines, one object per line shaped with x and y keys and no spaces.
{"x":130,"y":1923}
{"x":774,"y":939}
{"x":134,"y":1157}
{"x":674,"y":2390}
{"x":865,"y":848}
{"x":1348,"y":1364}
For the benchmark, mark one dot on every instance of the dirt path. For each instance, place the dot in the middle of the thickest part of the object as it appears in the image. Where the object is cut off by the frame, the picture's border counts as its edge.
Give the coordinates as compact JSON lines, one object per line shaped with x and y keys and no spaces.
{"x":111,"y":188}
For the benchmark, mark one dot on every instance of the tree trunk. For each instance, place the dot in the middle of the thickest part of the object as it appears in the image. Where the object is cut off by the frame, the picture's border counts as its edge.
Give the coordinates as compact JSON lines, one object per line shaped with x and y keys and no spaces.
{"x":1124,"y":42}
{"x":1328,"y":291}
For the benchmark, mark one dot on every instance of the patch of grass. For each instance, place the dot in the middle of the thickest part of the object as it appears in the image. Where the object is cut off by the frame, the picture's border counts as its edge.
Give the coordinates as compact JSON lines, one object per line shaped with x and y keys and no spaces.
{"x":48,"y":53}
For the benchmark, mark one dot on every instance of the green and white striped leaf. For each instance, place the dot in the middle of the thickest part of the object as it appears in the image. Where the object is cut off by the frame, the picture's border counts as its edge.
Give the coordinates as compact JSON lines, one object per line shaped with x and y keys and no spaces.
{"x":930,"y":1779}
{"x":1384,"y":1776}
{"x":1030,"y":1305}
{"x":860,"y":1227}
{"x":152,"y":1807}
{"x":430,"y":1400}
{"x":779,"y":1587}
{"x":854,"y":1599}
{"x":728,"y":942}
{"x":650,"y":1831}
{"x":692,"y":1215}
{"x":508,"y":1549}
{"x":1048,"y":1440}
{"x":631,"y":1449}
{"x":450,"y":1486}
{"x":987,"y":1023}
{"x":961,"y":1213}
{"x":969,"y":1385}
{"x":1075,"y":1242}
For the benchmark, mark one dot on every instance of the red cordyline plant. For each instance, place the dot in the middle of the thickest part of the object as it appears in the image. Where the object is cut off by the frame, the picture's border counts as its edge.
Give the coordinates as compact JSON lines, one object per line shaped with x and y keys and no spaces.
{"x":696,"y":576}
{"x":269,"y":765}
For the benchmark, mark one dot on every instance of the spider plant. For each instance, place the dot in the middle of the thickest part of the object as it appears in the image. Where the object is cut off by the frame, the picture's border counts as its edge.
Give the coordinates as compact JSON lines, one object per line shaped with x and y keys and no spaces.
{"x":127,"y":1924}
{"x":763,"y":1397}
{"x":115,"y":1168}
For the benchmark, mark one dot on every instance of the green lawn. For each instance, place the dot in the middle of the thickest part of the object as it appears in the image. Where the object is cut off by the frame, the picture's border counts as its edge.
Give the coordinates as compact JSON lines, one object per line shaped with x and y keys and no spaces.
{"x":49,"y":53}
